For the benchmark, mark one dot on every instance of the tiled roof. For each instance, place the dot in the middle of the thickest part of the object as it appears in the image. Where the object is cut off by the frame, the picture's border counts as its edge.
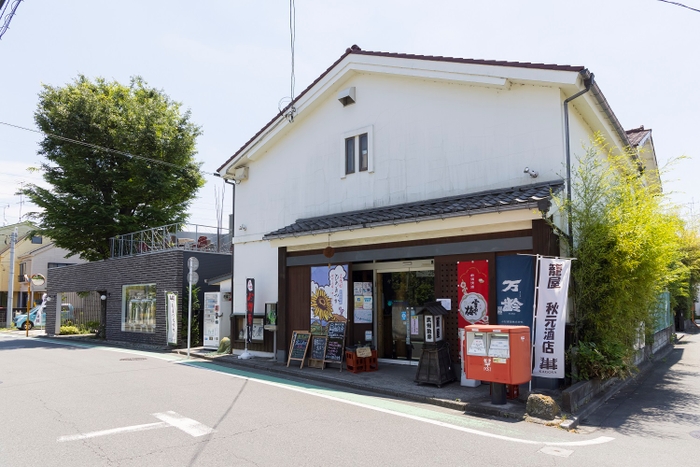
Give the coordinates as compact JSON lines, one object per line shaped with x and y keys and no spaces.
{"x":463,"y":205}
{"x":436,"y":58}
{"x":637,"y":135}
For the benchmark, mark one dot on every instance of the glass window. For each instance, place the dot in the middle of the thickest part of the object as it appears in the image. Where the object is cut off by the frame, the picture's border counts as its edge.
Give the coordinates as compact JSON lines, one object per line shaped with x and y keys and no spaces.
{"x":36,"y":239}
{"x":364,"y":154}
{"x":349,"y":155}
{"x":139,"y":308}
{"x":58,"y":265}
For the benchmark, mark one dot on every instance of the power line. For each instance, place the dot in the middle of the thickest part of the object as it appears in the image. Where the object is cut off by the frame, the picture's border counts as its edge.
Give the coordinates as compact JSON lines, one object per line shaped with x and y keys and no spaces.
{"x":680,"y":5}
{"x":102,"y":148}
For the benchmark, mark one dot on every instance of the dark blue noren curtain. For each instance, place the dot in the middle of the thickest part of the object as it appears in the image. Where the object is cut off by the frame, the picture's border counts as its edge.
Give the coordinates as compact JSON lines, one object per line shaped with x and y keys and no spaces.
{"x":515,"y":285}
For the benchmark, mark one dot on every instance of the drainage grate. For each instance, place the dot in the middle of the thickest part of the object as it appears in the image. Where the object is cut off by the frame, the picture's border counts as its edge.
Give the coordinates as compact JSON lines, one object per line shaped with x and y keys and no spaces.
{"x":133,"y":359}
{"x":695,"y":434}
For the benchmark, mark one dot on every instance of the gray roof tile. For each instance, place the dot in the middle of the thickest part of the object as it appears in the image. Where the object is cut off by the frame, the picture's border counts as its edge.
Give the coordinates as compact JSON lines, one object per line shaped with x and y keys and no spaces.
{"x":453,"y":206}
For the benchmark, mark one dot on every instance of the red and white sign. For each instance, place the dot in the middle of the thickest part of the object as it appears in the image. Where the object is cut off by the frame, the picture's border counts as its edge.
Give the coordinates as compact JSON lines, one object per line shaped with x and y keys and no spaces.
{"x":473,"y":292}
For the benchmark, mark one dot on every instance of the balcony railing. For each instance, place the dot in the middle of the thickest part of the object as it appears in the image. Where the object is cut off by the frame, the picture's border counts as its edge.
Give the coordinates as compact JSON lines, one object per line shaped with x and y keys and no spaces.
{"x":170,"y":237}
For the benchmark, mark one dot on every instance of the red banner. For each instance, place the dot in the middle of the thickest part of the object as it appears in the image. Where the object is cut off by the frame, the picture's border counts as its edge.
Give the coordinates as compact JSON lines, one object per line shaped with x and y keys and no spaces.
{"x":249,"y":307}
{"x":473,"y":292}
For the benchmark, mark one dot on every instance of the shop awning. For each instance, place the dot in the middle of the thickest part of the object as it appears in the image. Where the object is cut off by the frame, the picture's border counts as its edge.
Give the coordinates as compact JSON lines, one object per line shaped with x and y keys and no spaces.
{"x":523,"y":197}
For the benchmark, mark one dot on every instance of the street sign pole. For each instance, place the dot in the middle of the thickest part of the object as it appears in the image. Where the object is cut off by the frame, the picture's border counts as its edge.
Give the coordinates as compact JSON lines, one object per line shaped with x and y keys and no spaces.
{"x":29,"y":304}
{"x":189,"y":315}
{"x":192,"y":278}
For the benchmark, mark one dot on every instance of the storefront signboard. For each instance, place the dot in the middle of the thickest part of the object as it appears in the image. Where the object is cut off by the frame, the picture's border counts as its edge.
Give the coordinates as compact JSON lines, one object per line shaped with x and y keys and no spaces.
{"x":171,"y":303}
{"x":329,"y":296}
{"x":515,"y":289}
{"x":473,"y":292}
{"x":211,"y":320}
{"x":335,"y":347}
{"x":250,"y":308}
{"x":550,"y":317}
{"x":299,"y":343}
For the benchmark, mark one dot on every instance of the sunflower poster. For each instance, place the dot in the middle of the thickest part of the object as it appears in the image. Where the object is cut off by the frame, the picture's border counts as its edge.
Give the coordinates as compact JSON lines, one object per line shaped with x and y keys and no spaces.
{"x":329,"y":296}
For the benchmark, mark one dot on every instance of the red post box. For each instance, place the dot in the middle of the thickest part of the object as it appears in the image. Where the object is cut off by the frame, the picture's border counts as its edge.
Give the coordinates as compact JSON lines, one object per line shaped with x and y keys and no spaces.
{"x":499,"y":354}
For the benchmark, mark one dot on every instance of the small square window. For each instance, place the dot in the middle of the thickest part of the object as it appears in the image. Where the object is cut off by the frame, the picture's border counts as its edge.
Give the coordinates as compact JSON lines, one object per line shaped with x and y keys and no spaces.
{"x":349,"y":155}
{"x":364,"y":153}
{"x":36,"y":239}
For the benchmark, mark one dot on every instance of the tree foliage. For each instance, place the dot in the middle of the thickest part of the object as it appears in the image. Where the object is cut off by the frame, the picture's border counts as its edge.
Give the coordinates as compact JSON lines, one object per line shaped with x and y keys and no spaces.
{"x":97,"y":194}
{"x":627,"y":244}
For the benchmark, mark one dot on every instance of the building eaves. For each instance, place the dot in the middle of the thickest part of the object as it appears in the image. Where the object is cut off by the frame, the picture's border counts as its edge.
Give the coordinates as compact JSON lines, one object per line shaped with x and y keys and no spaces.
{"x":436,"y":58}
{"x":523,"y":197}
{"x":638,"y":136}
{"x":218,"y":279}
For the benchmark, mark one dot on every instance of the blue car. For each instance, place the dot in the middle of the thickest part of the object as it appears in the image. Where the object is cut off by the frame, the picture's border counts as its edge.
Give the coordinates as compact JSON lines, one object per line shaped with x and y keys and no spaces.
{"x":21,"y":320}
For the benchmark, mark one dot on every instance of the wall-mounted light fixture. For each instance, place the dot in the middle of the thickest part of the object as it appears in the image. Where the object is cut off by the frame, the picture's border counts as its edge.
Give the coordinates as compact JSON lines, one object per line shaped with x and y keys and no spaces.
{"x":104,"y":296}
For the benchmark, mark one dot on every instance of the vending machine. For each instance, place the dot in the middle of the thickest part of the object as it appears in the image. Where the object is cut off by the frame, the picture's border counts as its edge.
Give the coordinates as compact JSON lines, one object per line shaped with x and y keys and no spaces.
{"x":217,"y":318}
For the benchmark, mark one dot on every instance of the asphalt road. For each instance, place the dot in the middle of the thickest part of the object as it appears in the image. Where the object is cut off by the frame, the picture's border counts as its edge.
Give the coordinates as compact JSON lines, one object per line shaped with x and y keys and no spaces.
{"x":70,"y":405}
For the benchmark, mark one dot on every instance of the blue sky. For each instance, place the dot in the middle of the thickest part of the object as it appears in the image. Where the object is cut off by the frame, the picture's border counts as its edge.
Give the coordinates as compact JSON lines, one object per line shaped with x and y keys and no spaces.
{"x":229,"y":62}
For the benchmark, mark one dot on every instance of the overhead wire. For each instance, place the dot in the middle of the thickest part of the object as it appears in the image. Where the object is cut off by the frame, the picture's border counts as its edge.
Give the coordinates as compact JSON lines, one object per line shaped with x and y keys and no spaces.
{"x":105,"y":149}
{"x":680,"y":5}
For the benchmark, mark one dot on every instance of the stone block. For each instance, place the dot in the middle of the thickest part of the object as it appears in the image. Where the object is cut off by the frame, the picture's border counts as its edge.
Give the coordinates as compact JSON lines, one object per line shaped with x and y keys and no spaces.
{"x":541,"y":406}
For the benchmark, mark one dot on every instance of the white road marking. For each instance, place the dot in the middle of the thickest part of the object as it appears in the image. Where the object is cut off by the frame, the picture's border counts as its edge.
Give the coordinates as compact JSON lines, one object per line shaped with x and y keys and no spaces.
{"x":168,"y":419}
{"x":588,"y":442}
{"x":114,"y":431}
{"x":189,"y":426}
{"x":559,"y":452}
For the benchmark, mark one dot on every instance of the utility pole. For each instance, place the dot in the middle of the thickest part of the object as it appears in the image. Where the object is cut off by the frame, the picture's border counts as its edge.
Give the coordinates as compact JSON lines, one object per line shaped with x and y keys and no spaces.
{"x":11,"y":280}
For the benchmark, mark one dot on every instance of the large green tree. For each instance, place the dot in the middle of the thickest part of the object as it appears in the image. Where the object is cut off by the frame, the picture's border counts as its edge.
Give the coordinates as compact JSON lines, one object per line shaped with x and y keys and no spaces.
{"x":147,"y":179}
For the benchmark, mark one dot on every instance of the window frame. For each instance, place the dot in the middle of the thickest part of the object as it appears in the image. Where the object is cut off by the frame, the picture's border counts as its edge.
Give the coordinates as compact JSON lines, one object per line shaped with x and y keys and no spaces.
{"x":350,"y":160}
{"x":355,"y":135}
{"x":143,"y":293}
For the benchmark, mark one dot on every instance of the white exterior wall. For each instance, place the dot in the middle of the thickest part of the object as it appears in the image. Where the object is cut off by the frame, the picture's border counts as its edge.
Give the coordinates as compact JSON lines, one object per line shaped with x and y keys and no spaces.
{"x":259,"y":261}
{"x":430,"y":140}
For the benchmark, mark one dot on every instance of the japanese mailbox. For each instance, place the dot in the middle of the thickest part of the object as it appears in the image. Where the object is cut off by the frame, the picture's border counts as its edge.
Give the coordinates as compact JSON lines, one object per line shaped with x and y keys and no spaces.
{"x":498,"y":354}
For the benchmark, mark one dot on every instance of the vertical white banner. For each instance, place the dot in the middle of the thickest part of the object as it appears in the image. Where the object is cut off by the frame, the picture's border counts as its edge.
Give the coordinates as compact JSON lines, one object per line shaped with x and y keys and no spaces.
{"x":550,"y":317}
{"x":212,"y":308}
{"x":171,"y":304}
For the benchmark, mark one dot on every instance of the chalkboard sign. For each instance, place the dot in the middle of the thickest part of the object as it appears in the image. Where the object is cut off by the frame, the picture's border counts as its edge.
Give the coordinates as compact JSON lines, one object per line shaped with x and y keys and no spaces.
{"x":298,"y":346}
{"x":318,"y":347}
{"x":336,"y":329}
{"x":335,"y":348}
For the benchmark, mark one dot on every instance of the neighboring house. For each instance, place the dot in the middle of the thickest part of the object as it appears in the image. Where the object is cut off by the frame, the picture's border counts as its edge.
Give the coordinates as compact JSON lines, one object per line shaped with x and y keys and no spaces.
{"x":399,"y":167}
{"x":39,"y":261}
{"x":34,"y":254}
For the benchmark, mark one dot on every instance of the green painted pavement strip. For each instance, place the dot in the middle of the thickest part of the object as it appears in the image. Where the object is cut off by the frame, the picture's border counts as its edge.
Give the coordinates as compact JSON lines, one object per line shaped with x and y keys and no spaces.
{"x":382,"y":403}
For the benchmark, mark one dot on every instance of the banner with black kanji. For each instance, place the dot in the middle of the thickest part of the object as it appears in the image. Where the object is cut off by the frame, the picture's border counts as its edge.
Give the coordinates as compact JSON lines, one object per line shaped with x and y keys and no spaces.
{"x":550,"y":317}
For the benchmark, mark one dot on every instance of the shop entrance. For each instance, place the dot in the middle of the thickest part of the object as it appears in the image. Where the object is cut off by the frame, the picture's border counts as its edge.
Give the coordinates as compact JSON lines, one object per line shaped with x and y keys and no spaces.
{"x":400,"y":289}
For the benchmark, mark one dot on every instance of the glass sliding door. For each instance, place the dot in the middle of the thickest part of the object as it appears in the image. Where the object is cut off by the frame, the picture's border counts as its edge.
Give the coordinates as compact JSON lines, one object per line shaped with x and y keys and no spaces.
{"x":402,"y":295}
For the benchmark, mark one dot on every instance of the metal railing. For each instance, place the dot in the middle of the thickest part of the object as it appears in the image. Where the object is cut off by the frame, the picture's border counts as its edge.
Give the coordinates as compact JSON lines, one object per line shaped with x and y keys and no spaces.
{"x":170,"y":237}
